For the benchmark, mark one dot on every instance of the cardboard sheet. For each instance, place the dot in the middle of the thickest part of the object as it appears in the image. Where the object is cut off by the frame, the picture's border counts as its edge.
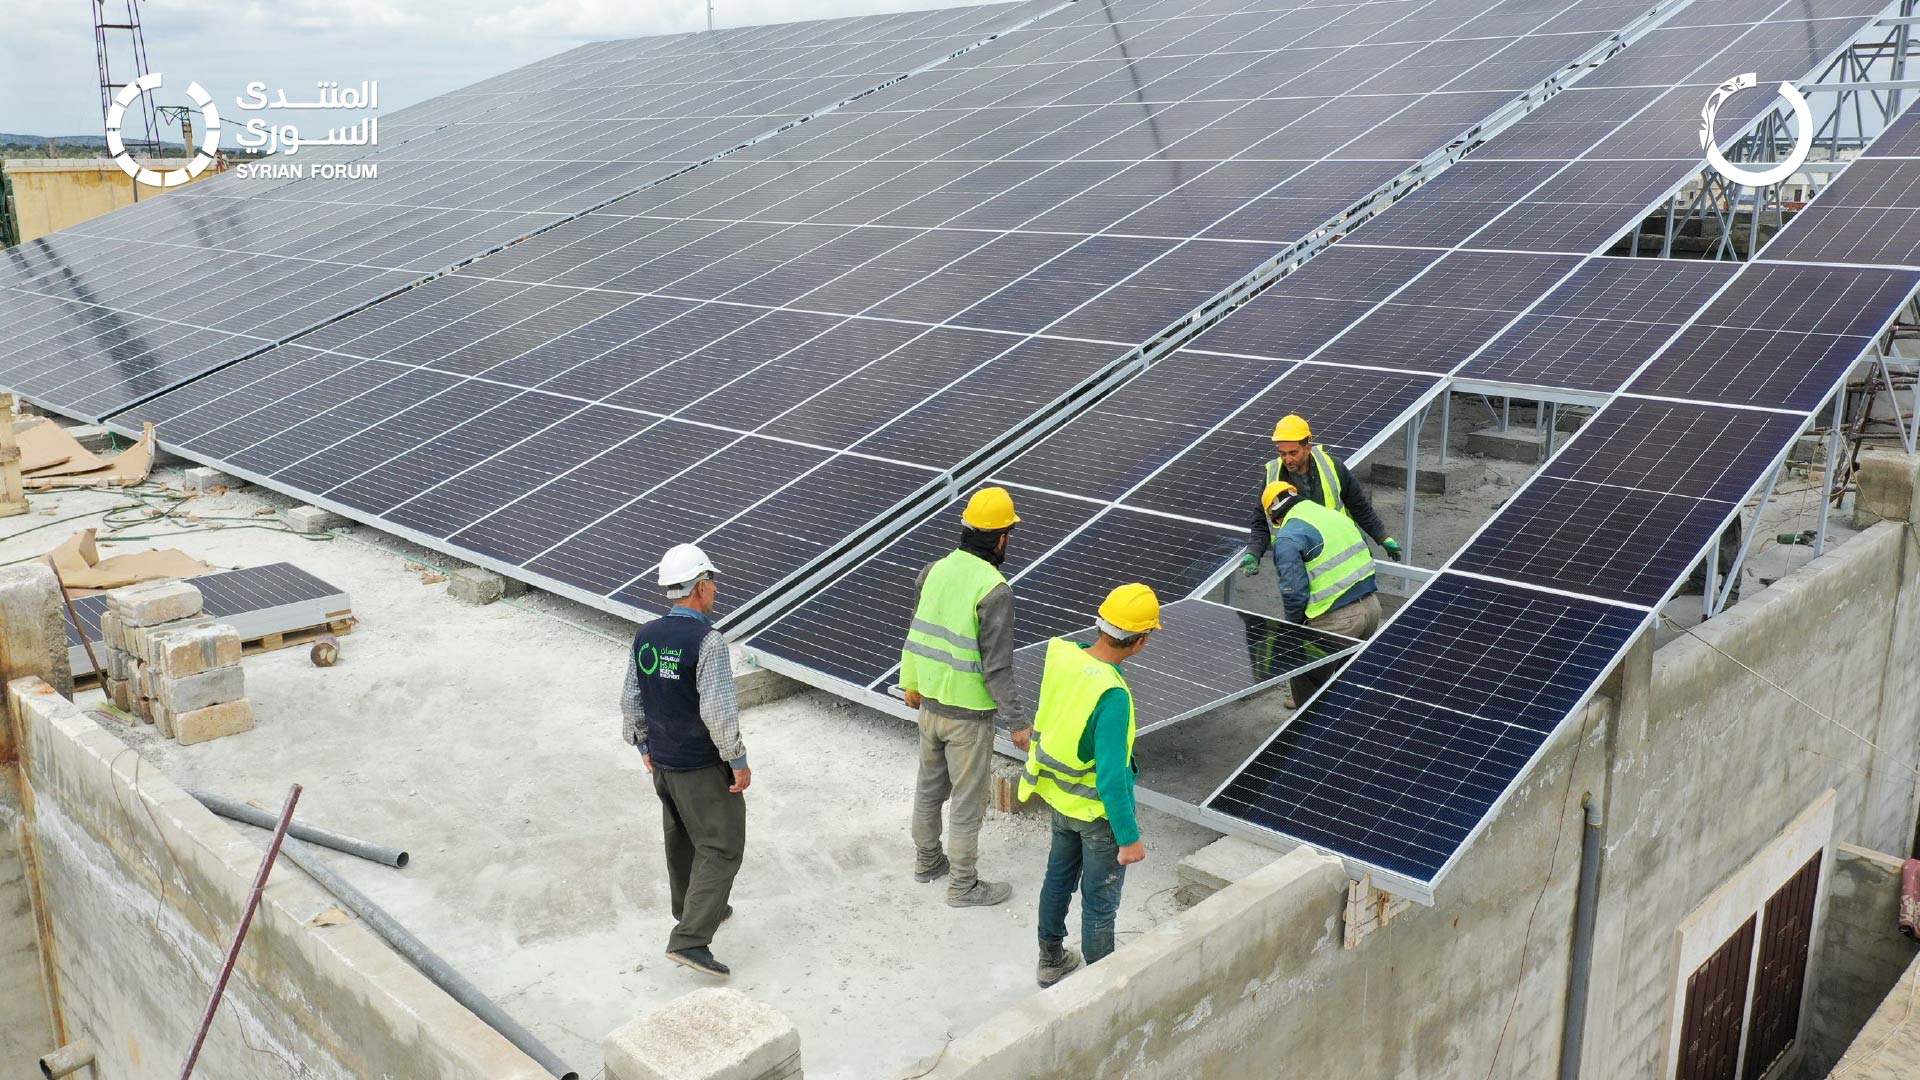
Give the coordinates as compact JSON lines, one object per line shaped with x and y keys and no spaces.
{"x":47,"y":448}
{"x":125,"y":469}
{"x":83,"y":571}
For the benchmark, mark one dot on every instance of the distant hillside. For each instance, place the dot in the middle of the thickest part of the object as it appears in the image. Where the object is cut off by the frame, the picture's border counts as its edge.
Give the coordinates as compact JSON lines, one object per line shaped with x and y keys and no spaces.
{"x":8,"y":138}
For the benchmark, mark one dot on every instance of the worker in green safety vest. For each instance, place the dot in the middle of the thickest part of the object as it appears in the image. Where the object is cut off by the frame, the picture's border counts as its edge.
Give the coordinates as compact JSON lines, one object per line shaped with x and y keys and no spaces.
{"x":1326,"y":572}
{"x":1081,"y":762}
{"x":957,"y":669}
{"x":1319,"y":478}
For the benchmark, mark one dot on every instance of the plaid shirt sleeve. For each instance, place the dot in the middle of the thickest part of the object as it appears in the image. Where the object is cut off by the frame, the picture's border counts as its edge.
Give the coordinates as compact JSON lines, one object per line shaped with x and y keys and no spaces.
{"x":633,"y":714}
{"x":719,"y":701}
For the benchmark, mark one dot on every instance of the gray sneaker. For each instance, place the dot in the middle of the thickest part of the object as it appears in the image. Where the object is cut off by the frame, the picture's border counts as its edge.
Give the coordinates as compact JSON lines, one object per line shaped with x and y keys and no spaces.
{"x":1056,"y":963}
{"x":983,"y":894}
{"x":938,"y":869}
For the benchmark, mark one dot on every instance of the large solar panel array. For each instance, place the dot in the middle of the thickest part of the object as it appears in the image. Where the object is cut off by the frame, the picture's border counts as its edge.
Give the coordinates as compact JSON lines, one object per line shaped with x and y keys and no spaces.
{"x":1359,"y":339}
{"x":774,"y":352}
{"x":1414,"y":270}
{"x":108,"y":313}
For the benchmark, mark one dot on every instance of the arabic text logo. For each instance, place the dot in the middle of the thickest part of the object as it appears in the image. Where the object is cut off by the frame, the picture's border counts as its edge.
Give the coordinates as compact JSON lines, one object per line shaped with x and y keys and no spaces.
{"x":1802,"y":146}
{"x":209,"y":134}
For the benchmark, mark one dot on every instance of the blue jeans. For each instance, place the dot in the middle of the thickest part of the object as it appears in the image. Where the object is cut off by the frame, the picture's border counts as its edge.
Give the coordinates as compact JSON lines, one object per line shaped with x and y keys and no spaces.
{"x":1084,"y":854}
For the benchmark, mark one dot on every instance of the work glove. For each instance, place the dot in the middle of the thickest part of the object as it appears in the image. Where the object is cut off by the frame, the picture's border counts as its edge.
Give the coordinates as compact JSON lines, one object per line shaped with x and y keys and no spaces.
{"x":1249,"y":564}
{"x":1393,"y":548}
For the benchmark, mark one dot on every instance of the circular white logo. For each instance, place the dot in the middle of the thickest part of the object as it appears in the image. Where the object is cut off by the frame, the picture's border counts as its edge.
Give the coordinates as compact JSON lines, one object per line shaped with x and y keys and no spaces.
{"x":1802,"y":146}
{"x":209,"y":134}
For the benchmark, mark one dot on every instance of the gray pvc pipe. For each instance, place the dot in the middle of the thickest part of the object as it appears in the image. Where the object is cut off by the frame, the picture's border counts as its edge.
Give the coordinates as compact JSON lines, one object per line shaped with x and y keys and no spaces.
{"x":67,"y":1060}
{"x":253,"y":815}
{"x":1573,"y":1030}
{"x":429,"y":963}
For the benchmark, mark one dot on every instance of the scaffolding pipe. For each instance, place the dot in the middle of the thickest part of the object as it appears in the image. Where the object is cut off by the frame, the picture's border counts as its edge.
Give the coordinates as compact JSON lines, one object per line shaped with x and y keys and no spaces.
{"x":427,"y":961}
{"x":1573,"y":1028}
{"x":1413,"y":465}
{"x":253,"y":815}
{"x":240,"y":931}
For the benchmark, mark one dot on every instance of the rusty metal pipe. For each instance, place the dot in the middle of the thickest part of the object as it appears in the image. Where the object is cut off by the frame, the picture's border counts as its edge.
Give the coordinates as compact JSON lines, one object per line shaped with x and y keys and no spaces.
{"x":67,"y":1060}
{"x":240,"y":932}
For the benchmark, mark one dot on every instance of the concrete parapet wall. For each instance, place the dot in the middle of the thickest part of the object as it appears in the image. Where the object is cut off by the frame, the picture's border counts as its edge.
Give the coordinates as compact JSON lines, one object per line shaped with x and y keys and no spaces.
{"x":141,"y":887}
{"x":1865,"y":953}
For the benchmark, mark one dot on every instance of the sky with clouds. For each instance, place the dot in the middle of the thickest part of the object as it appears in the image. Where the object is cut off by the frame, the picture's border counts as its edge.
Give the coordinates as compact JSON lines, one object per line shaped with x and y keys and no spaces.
{"x":49,"y":81}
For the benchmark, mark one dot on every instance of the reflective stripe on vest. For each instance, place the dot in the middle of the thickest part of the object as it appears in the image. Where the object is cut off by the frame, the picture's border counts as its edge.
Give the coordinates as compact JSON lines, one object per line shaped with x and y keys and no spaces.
{"x":1070,"y":688}
{"x":1343,"y":562}
{"x":943,"y":641}
{"x":1330,"y":491}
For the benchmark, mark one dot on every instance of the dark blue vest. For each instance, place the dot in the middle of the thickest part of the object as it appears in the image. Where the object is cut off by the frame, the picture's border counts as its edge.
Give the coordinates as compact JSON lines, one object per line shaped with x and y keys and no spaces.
{"x":666,"y":653}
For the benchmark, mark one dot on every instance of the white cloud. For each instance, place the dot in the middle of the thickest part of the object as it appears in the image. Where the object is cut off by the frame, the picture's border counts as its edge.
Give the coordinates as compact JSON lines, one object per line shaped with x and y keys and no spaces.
{"x":49,"y":84}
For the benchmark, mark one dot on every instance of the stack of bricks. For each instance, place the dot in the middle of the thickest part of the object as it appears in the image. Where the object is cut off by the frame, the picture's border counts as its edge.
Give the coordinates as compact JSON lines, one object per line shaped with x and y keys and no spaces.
{"x":171,"y":665}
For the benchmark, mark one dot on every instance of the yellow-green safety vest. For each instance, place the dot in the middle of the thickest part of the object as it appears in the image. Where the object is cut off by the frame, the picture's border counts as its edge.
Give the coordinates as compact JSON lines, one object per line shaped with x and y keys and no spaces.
{"x":1343,"y":562}
{"x":1322,"y":463}
{"x":943,"y":643}
{"x":1070,"y":687}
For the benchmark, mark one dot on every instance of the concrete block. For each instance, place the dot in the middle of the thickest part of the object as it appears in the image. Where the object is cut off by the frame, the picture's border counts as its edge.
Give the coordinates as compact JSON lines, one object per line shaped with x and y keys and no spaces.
{"x":153,"y":602}
{"x":201,"y":480}
{"x":1003,"y":790}
{"x":476,"y":586}
{"x":33,"y":633}
{"x":1394,"y":475}
{"x":1887,"y":481}
{"x":92,"y":436}
{"x":1517,"y":443}
{"x":113,"y":631}
{"x":709,"y":1034}
{"x":194,"y":649}
{"x":1218,"y":865}
{"x":216,"y":686}
{"x":119,"y":664}
{"x":312,"y":519}
{"x":144,"y":642}
{"x":119,"y":692}
{"x":212,"y":722}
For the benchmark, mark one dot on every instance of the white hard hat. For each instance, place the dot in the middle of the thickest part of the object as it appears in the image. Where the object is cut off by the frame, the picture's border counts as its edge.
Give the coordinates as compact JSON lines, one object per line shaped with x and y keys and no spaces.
{"x":684,"y":564}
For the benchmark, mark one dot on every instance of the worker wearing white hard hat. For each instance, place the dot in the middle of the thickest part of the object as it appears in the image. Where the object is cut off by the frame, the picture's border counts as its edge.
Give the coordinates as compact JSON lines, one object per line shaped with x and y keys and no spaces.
{"x":682,"y":713}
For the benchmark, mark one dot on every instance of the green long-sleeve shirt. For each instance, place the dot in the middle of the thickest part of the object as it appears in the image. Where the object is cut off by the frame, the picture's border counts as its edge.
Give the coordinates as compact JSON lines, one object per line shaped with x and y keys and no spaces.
{"x":1105,"y":744}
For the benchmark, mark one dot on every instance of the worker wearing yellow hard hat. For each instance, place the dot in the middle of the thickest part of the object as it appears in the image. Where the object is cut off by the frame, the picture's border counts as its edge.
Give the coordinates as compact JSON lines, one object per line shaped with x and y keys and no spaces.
{"x":1319,"y":478}
{"x":957,"y":669}
{"x":1081,"y":762}
{"x":1326,"y":572}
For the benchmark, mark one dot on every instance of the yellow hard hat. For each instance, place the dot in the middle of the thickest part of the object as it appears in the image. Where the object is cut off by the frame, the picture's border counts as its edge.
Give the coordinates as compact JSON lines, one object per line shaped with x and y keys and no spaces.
{"x":1274,"y":491}
{"x":1132,"y":609}
{"x":1292,"y":429}
{"x":991,"y":509}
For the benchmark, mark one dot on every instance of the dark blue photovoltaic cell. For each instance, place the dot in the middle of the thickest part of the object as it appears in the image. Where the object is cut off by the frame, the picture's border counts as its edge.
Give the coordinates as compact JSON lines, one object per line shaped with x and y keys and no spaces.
{"x":1701,"y":450}
{"x":1901,"y":139}
{"x":1058,"y":594}
{"x":1399,"y":759}
{"x":1871,"y":214}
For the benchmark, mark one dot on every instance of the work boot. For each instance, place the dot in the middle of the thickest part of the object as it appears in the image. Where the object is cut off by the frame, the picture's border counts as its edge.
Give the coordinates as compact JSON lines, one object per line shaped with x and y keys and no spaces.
{"x":1056,"y":963}
{"x":928,"y":871}
{"x":983,"y":894}
{"x":700,"y":958}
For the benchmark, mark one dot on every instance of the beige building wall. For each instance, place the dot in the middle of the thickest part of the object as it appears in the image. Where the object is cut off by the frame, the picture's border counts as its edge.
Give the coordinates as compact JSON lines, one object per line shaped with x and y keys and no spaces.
{"x":53,"y":194}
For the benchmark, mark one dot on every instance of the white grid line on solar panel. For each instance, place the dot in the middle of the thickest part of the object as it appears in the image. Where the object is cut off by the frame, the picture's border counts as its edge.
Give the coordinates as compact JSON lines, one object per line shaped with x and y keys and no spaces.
{"x":1467,"y":359}
{"x":521,"y":232}
{"x":1560,"y":281}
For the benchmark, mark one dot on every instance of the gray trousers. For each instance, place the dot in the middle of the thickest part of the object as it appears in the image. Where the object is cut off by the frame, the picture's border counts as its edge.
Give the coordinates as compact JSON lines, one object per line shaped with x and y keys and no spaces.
{"x":1359,"y":619}
{"x":956,"y":759}
{"x":706,"y":834}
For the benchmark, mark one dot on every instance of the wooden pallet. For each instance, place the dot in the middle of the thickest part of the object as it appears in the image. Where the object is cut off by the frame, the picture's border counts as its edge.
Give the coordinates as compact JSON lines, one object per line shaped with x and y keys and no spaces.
{"x":287,"y":639}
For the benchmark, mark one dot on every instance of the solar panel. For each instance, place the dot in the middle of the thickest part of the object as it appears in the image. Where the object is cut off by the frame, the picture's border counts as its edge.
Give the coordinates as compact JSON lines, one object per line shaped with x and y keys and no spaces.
{"x":1900,"y":139}
{"x":1204,"y":653}
{"x":1397,"y":761}
{"x":1871,"y":214}
{"x":975,"y":376}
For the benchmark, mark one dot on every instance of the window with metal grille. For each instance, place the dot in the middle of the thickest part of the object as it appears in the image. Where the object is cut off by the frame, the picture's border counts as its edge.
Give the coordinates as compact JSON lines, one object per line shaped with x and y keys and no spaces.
{"x":1781,"y":977}
{"x":1716,"y":1003}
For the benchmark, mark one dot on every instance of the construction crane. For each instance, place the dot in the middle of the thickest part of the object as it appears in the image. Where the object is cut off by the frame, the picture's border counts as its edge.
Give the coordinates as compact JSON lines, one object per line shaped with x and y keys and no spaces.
{"x":122,"y":46}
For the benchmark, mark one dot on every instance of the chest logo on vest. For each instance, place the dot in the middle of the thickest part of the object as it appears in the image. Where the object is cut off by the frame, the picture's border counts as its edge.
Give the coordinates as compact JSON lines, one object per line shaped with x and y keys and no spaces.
{"x":664,"y":662}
